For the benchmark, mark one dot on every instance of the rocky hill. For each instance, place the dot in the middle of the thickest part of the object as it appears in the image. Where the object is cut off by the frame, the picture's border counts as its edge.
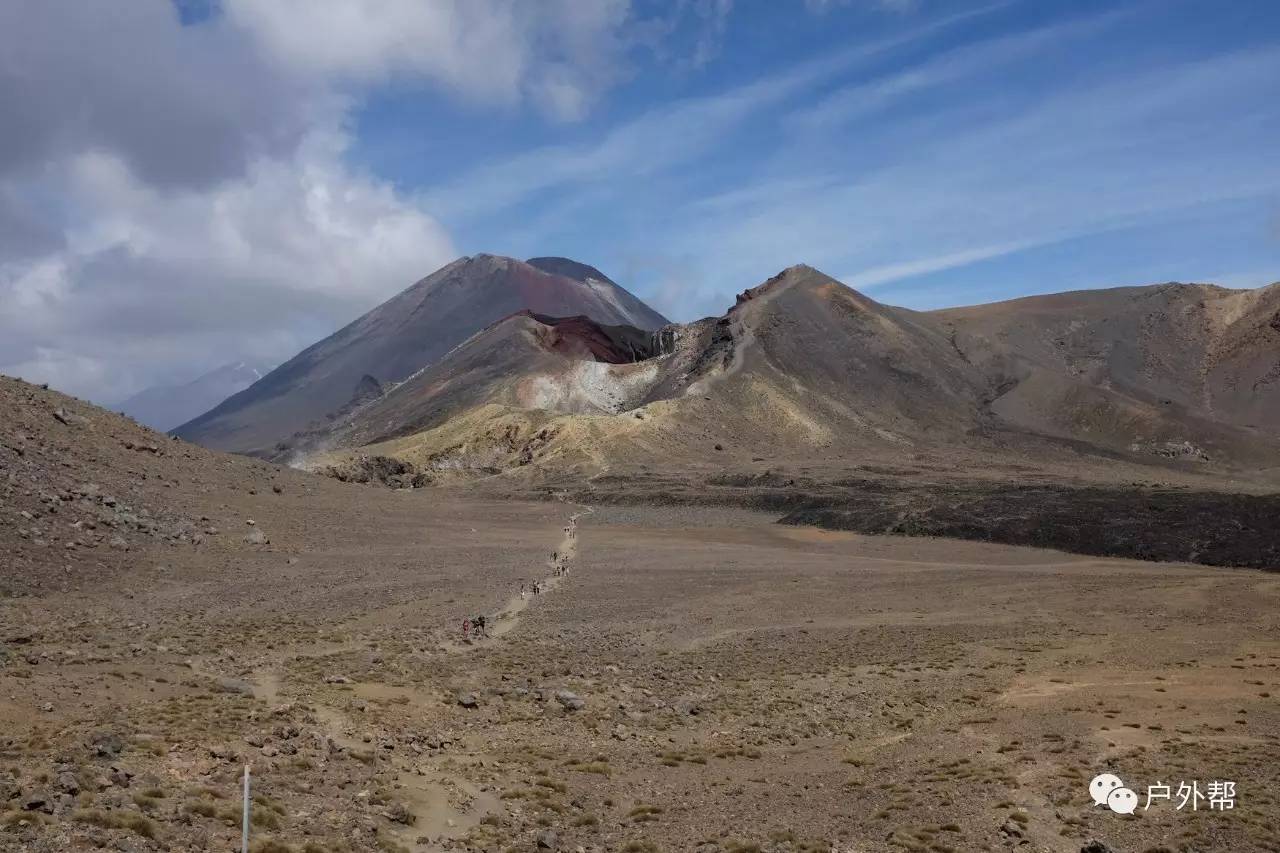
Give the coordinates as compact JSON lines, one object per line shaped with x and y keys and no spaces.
{"x":83,"y":490}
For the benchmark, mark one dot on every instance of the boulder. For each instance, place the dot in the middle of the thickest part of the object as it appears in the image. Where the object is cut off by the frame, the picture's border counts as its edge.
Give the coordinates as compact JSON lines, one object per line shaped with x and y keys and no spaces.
{"x":570,"y":700}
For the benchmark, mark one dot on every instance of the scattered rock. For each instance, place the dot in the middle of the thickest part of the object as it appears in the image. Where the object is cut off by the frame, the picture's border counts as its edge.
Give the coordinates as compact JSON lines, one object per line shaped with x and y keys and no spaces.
{"x":1171,"y":450}
{"x":68,"y":784}
{"x":63,"y":416}
{"x":1011,"y":829}
{"x":1096,"y":846}
{"x":255,"y":537}
{"x":380,"y":470}
{"x":38,"y":801}
{"x":399,"y":813}
{"x":468,"y":700}
{"x":548,"y":840}
{"x":235,"y":685}
{"x":107,"y":744}
{"x":570,"y":700}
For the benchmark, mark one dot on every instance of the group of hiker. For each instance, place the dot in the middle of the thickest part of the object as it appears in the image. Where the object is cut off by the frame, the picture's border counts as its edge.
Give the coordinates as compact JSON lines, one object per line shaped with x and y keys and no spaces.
{"x":537,"y":588}
{"x":476,"y":627}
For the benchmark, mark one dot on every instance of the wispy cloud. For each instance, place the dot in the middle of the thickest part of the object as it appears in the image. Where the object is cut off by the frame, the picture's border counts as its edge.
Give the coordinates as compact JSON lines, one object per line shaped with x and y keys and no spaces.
{"x":870,"y":279}
{"x":658,"y":139}
{"x":860,"y":100}
{"x":1126,"y":151}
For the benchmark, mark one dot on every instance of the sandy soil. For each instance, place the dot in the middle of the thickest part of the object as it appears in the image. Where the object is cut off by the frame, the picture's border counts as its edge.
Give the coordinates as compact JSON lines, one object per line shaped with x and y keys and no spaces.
{"x":698,"y":679}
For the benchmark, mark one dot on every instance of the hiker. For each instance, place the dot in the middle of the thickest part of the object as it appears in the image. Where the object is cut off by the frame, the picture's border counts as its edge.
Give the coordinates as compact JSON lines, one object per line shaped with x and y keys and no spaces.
{"x":480,"y":626}
{"x":522,"y":592}
{"x":466,"y":630}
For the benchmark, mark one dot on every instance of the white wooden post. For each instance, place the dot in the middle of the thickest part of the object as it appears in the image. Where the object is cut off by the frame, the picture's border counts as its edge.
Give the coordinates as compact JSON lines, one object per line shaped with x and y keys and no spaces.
{"x":244,"y":839}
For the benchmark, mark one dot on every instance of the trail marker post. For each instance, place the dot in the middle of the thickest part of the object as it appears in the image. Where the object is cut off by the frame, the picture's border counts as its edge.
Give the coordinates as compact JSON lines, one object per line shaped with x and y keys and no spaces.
{"x":244,"y":837}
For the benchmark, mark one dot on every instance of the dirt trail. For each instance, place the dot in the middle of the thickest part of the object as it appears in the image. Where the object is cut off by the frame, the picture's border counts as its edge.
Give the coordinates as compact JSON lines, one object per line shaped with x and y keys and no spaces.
{"x":444,"y":805}
{"x":506,"y":619}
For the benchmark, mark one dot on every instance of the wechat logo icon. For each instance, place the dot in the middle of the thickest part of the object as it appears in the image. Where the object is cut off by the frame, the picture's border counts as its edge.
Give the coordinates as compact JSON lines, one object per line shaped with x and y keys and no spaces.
{"x":1108,"y":790}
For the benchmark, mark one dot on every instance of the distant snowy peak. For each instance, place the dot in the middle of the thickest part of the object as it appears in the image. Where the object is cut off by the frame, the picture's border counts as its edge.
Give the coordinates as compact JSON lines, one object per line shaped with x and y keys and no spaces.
{"x":169,"y":405}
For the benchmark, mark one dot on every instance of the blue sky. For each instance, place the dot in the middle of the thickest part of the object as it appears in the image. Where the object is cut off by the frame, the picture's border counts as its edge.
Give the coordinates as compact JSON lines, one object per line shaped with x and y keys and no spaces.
{"x":187,"y":184}
{"x":929,"y":153}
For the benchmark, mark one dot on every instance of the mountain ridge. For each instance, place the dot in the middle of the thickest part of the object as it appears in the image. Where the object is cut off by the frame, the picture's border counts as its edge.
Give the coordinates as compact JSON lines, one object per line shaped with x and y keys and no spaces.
{"x":801,"y":363}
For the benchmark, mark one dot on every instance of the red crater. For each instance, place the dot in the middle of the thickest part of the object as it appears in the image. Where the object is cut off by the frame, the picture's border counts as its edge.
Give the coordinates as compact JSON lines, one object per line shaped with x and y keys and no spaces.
{"x":581,"y":337}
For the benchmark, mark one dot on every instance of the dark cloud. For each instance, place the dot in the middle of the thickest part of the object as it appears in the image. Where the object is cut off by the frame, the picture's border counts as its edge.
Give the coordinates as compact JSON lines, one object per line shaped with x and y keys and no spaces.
{"x":23,"y":233}
{"x":183,"y":106}
{"x":119,"y":295}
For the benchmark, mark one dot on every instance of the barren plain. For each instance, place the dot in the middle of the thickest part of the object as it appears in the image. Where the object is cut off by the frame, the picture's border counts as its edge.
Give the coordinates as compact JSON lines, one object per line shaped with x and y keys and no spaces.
{"x":698,"y":679}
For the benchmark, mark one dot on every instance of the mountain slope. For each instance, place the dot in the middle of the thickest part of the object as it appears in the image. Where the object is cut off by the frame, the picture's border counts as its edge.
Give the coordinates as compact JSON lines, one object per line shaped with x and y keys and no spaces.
{"x":803,"y":367}
{"x":86,"y":492}
{"x":405,"y":334}
{"x":164,"y":407}
{"x":800,"y":363}
{"x":526,"y":360}
{"x":1151,"y":369}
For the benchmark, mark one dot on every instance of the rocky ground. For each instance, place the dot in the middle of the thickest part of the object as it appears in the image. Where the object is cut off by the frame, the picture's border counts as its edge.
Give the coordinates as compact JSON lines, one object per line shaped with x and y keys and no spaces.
{"x":692,"y":678}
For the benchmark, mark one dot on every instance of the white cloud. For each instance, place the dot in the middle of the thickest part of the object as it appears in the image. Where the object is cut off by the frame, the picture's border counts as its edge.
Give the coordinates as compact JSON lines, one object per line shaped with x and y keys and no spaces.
{"x":657,"y":140}
{"x":869,"y":279}
{"x":860,"y":100}
{"x":212,"y":275}
{"x":560,"y":54}
{"x":180,"y":203}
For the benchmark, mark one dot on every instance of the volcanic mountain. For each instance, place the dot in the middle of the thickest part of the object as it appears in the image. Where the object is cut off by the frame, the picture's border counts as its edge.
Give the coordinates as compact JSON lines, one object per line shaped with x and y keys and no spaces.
{"x":800,"y":364}
{"x":804,"y":368}
{"x":405,"y":334}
